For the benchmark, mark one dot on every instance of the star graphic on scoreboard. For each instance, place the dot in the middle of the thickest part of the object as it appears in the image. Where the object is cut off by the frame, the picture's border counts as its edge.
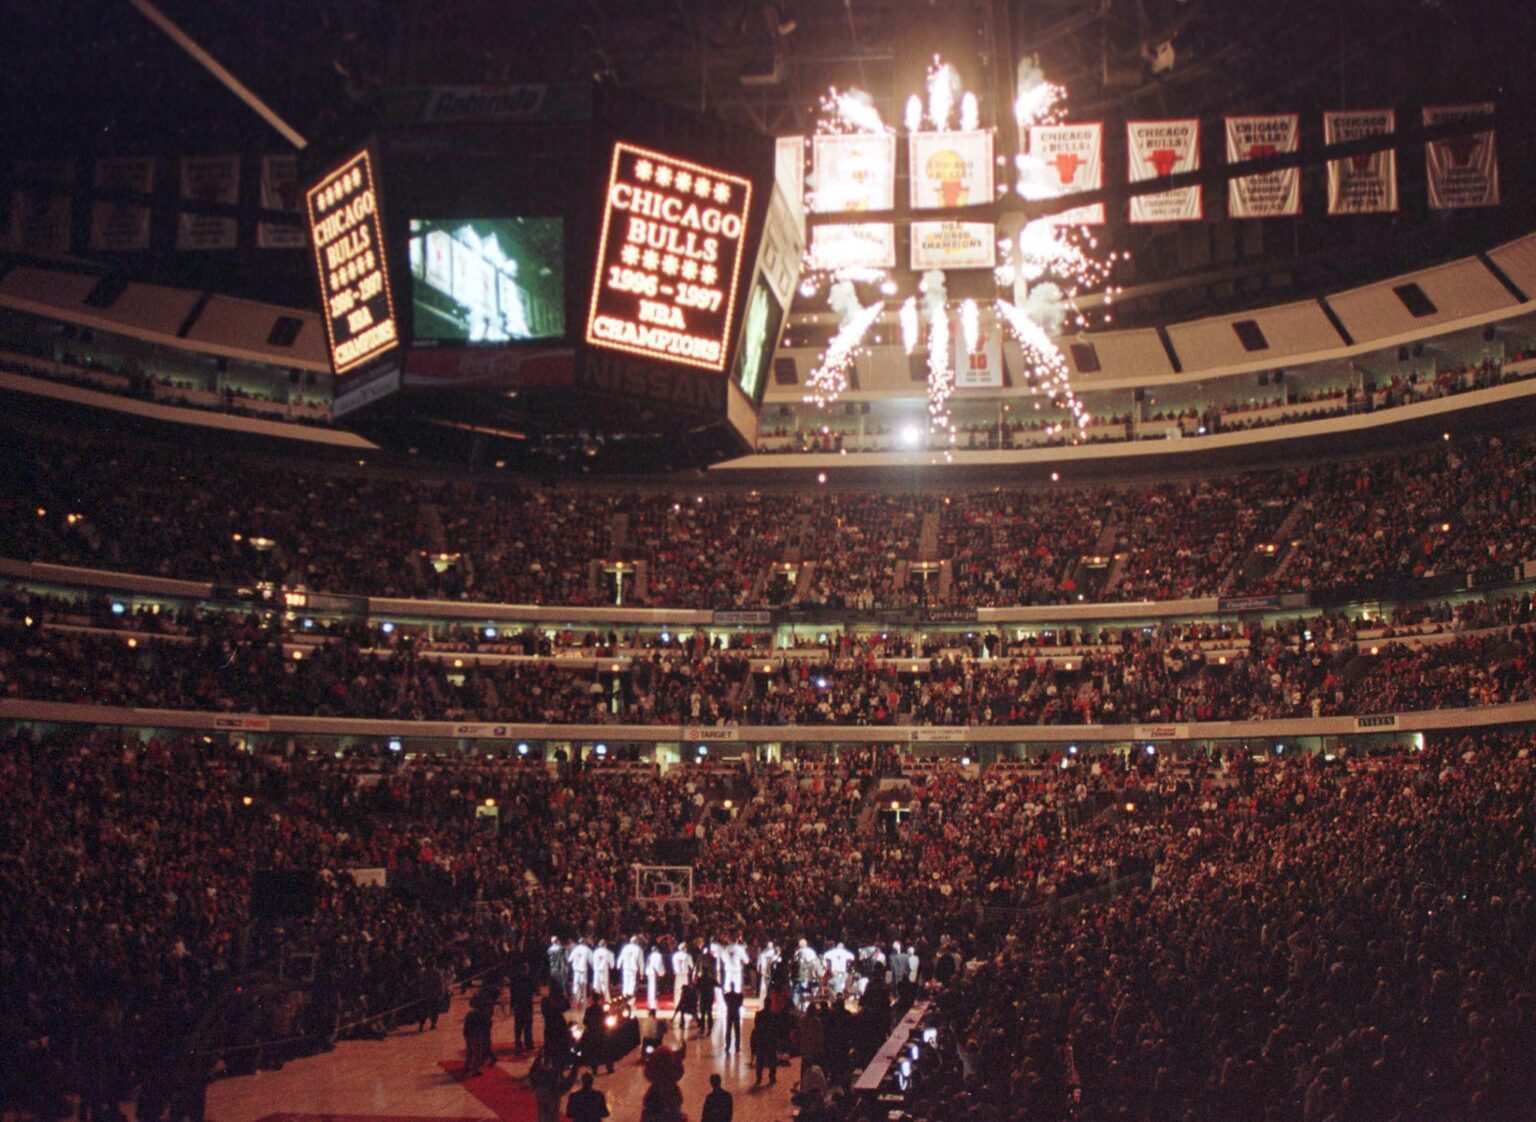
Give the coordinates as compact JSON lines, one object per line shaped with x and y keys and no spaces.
{"x":722,"y":193}
{"x":682,"y":181}
{"x":702,"y":187}
{"x":669,"y":265}
{"x":643,"y":170}
{"x":649,"y":260}
{"x":630,"y":255}
{"x":708,"y":274}
{"x":690,"y":269}
{"x":664,"y":176}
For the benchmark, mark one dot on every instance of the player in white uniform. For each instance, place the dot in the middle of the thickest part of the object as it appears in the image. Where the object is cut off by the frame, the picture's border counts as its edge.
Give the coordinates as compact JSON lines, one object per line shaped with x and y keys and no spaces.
{"x":838,"y":960}
{"x":807,"y":973}
{"x":682,"y":972}
{"x":767,"y":959}
{"x":602,"y":966}
{"x":631,"y":962}
{"x":580,"y":958}
{"x":733,"y":959}
{"x":655,"y":967}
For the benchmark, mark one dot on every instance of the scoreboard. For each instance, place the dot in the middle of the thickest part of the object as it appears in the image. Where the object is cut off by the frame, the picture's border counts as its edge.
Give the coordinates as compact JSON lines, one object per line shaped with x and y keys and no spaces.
{"x":668,"y":258}
{"x":346,"y":229}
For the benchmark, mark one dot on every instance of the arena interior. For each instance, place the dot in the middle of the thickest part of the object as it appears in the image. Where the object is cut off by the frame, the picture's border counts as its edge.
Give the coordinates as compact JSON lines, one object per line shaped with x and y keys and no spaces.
{"x":864,"y":561}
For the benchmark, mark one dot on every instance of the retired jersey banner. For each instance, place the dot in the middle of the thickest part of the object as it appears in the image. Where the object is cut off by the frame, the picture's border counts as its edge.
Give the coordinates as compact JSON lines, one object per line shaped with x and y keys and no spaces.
{"x":854,"y":171}
{"x":280,"y":191}
{"x":1271,"y":194}
{"x":953,"y":245}
{"x":1463,"y":170}
{"x":789,"y":174}
{"x":1156,"y":150}
{"x":1365,"y":184}
{"x":981,"y":369}
{"x":209,"y":179}
{"x":950,"y":169}
{"x":1073,"y":156}
{"x":119,"y":225}
{"x":41,"y":219}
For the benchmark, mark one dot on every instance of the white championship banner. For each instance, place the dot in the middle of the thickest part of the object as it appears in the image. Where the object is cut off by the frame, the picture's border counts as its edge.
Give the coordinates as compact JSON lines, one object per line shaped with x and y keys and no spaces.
{"x":789,"y":174}
{"x":1156,"y":150}
{"x":1463,"y":170}
{"x":209,"y":179}
{"x":1364,"y":184}
{"x":280,"y":191}
{"x":118,"y":224}
{"x":981,"y":369}
{"x":852,"y":172}
{"x":948,"y":169}
{"x":953,"y":245}
{"x":866,"y":245}
{"x":41,"y":219}
{"x":1272,"y":194}
{"x":1074,"y":155}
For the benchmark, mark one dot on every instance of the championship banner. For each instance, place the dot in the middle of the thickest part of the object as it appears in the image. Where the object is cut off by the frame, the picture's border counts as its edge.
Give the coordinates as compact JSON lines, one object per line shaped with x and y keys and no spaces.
{"x":280,"y":191}
{"x":117,"y":224}
{"x":209,"y":179}
{"x":1365,"y":184}
{"x":40,"y":219}
{"x":789,"y":173}
{"x":1273,"y":194}
{"x":953,"y":245}
{"x":1156,"y":150}
{"x":867,"y":245}
{"x":981,"y":369}
{"x":854,"y":171}
{"x":948,"y":169}
{"x":1074,"y":157}
{"x":1463,"y":170}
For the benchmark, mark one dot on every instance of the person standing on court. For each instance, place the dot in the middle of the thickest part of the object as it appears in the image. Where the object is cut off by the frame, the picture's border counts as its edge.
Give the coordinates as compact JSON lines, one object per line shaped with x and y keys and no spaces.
{"x":717,"y":1104}
{"x":586,"y":1105}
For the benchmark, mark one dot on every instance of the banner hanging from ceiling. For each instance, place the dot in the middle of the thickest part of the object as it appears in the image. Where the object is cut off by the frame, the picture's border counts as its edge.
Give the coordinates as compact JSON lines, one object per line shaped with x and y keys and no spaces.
{"x":853,"y":172}
{"x":1156,"y":150}
{"x":209,"y":179}
{"x":1463,"y":170}
{"x":1073,"y":156}
{"x":1271,"y":194}
{"x":41,"y":218}
{"x":953,"y":245}
{"x":1367,"y":183}
{"x":280,"y":191}
{"x":949,"y":169}
{"x":122,"y":224}
{"x":981,"y":369}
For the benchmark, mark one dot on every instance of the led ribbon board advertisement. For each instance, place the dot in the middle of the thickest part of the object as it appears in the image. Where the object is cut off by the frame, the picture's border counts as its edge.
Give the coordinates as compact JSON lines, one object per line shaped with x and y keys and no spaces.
{"x":347,"y":231}
{"x":668,"y":259}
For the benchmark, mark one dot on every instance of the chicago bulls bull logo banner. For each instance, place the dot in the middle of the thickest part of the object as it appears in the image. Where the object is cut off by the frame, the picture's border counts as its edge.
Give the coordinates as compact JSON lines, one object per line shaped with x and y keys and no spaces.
{"x":121,"y":222}
{"x":1365,"y":183}
{"x":1156,"y":150}
{"x":1271,"y":194}
{"x":949,"y":169}
{"x":1071,"y":159}
{"x":1463,"y":170}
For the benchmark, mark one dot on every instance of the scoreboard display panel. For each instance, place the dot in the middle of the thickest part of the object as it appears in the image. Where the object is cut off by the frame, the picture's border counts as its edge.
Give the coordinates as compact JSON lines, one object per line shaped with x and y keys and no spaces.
{"x":346,"y":227}
{"x":669,"y":259}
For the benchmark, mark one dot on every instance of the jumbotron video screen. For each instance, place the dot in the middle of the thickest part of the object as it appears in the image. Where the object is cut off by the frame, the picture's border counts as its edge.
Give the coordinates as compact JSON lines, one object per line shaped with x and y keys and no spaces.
{"x":487,"y":280}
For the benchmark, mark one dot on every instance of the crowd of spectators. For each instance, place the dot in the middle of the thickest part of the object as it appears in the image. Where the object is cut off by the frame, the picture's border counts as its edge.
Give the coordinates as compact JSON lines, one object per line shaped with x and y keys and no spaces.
{"x":144,"y":508}
{"x":252,"y":663}
{"x":1281,"y":932}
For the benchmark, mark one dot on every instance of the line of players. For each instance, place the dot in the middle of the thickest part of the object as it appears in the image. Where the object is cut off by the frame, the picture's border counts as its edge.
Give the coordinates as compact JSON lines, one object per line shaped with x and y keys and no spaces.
{"x":583,"y":970}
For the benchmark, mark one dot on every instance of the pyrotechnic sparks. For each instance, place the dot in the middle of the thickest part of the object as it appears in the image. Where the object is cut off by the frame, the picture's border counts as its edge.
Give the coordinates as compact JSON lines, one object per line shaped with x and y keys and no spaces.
{"x":970,"y":326}
{"x":911,"y":325}
{"x":1050,"y":368}
{"x":943,"y":83}
{"x":829,"y":380}
{"x":941,"y":371}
